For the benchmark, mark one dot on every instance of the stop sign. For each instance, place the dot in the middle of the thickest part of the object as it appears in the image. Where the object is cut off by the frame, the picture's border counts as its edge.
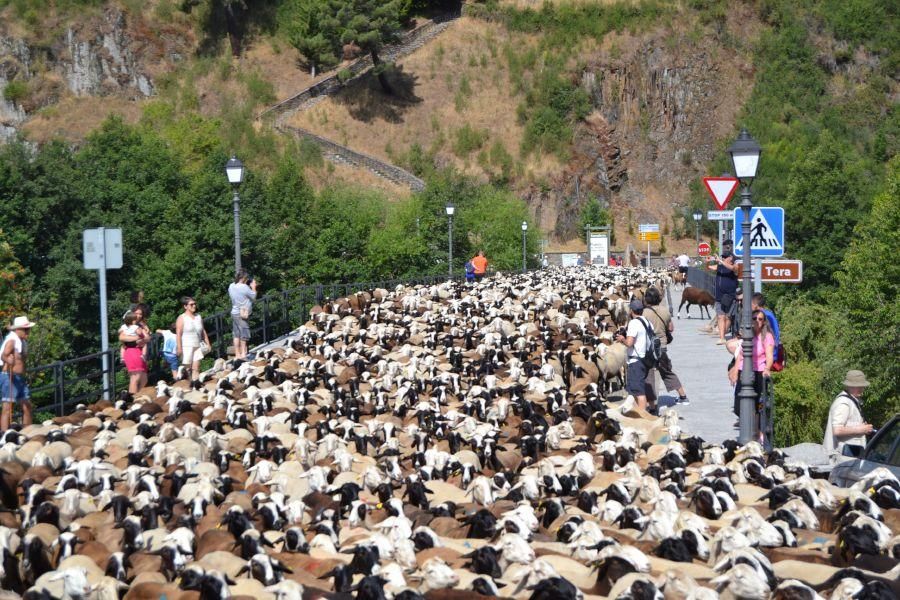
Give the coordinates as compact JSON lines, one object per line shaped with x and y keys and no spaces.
{"x":703,"y":249}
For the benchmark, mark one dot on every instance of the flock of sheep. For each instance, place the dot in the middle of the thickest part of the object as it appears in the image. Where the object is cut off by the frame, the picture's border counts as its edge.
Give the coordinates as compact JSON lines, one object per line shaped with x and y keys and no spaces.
{"x":450,"y":441}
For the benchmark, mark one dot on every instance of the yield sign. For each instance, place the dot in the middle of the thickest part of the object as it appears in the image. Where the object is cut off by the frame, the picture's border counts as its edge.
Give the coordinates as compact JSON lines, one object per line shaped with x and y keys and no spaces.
{"x":721,"y":189}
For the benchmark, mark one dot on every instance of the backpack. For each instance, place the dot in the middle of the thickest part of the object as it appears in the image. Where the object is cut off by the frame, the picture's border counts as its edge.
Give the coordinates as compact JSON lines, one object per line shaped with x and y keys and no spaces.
{"x":653,"y":350}
{"x":470,"y":268}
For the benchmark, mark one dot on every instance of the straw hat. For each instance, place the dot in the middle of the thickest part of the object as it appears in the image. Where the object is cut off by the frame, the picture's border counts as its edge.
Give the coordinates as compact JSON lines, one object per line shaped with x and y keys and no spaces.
{"x":21,"y":323}
{"x":855,"y":379}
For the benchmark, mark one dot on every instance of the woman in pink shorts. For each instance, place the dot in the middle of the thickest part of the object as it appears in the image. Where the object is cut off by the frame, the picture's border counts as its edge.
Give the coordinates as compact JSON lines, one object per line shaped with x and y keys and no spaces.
{"x":134,"y":338}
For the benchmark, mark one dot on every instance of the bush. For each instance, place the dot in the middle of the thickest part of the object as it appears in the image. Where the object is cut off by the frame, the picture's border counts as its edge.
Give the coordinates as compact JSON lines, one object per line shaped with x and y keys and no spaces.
{"x":801,"y":407}
{"x":15,"y":91}
{"x":345,"y":75}
{"x":468,"y":139}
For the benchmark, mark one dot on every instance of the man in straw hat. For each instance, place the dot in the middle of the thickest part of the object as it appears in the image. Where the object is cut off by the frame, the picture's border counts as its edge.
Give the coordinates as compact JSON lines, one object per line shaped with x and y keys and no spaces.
{"x":845,"y":423}
{"x":12,"y":380}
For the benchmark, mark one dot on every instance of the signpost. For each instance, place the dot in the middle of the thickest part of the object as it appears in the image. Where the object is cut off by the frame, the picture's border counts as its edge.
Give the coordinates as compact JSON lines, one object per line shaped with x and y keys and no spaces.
{"x":721,"y":189}
{"x":780,"y":271}
{"x":766,"y":231}
{"x":648,"y":232}
{"x":703,"y":249}
{"x":598,"y":244}
{"x":102,"y":251}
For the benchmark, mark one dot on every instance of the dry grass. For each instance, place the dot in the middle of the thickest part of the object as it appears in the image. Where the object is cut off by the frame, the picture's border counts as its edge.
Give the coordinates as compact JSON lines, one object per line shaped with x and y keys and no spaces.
{"x":331,"y":173}
{"x":429,"y":106}
{"x":72,"y":119}
{"x":537,"y":4}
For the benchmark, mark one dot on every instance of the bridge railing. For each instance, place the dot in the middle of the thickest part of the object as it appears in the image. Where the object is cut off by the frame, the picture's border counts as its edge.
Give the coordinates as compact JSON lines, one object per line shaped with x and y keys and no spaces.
{"x":60,"y":386}
{"x":702,"y":278}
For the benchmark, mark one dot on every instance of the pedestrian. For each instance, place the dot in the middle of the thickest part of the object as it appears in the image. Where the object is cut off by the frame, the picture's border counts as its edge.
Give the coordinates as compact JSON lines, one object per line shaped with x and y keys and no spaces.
{"x":170,"y":349}
{"x":612,"y":261}
{"x":726,"y":287}
{"x":661,"y":320}
{"x":763,"y":356}
{"x":134,"y":339}
{"x":242,"y":293}
{"x":192,"y":342}
{"x":480,"y":263}
{"x":545,"y":263}
{"x":635,"y":338}
{"x":758,"y":302}
{"x":683,"y":261}
{"x":140,"y":314}
{"x":13,"y":387}
{"x":470,"y":271}
{"x":845,"y":425}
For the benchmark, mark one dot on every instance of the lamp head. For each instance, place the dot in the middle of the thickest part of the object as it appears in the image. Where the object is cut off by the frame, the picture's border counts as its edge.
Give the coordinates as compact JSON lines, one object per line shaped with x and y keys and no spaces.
{"x":698,"y":216}
{"x":524,"y":225}
{"x":745,"y":153}
{"x":234,"y":170}
{"x":450,"y":208}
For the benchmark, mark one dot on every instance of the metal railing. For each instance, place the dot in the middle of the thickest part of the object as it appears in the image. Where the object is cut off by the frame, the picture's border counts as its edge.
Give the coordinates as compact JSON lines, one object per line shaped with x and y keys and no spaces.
{"x":60,"y":386}
{"x":702,"y":278}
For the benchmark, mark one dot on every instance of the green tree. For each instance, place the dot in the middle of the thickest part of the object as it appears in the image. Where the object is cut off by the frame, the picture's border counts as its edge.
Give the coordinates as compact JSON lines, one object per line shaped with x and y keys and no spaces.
{"x":11,"y":273}
{"x":301,"y":20}
{"x":592,"y":213}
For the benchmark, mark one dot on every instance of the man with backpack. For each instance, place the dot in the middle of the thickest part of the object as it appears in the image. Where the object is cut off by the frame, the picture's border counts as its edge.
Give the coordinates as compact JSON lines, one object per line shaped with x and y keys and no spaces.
{"x":644,"y":350}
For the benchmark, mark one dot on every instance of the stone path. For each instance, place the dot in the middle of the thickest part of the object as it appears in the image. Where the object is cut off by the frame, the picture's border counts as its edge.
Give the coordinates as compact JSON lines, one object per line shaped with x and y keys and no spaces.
{"x":702,"y":367}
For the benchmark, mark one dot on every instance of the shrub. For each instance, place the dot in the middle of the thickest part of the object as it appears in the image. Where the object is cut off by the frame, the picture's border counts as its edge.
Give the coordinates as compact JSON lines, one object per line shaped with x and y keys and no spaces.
{"x":15,"y":91}
{"x":468,"y":139}
{"x":344,"y":75}
{"x":801,"y":407}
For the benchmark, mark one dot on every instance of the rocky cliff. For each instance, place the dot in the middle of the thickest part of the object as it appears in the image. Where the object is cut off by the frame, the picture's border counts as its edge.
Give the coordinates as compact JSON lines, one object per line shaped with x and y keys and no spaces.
{"x":108,"y":53}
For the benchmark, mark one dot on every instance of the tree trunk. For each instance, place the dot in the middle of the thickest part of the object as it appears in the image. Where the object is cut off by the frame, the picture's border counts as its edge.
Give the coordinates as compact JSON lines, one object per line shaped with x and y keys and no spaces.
{"x":231,"y":24}
{"x":382,"y":78}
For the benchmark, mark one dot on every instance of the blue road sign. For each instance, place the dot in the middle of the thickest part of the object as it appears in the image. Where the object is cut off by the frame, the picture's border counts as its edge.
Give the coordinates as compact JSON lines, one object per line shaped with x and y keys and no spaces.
{"x":766,"y":231}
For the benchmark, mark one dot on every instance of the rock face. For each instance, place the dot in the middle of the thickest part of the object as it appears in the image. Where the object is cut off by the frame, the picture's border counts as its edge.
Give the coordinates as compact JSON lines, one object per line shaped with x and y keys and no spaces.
{"x":106,"y":54}
{"x":658,"y":110}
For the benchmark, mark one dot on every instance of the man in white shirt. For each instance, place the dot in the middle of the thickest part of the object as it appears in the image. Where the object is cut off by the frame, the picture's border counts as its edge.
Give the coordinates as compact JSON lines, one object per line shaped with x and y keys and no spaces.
{"x":845,"y":423}
{"x":636,"y":339}
{"x":683,"y":261}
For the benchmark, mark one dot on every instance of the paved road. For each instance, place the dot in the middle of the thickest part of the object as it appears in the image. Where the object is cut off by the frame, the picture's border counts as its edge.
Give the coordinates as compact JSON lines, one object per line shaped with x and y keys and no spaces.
{"x":701,"y":365}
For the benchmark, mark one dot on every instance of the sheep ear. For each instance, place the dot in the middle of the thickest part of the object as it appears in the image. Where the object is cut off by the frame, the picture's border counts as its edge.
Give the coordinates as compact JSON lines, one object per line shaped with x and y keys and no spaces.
{"x":243,"y":570}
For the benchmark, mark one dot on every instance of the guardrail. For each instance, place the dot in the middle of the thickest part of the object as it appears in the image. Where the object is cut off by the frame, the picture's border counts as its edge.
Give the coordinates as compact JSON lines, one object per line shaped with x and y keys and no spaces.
{"x":60,"y":386}
{"x":704,"y":279}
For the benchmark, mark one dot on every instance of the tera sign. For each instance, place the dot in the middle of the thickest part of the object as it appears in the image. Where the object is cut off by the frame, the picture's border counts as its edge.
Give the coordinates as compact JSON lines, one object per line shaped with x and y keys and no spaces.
{"x":781,"y":271}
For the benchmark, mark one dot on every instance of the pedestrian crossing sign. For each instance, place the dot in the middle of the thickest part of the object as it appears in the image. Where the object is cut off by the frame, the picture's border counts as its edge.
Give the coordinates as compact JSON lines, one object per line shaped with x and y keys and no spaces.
{"x":766,"y":231}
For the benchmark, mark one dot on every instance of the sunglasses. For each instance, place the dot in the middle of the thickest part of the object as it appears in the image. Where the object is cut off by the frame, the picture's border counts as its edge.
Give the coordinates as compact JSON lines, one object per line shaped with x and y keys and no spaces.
{"x":759,"y":319}
{"x":192,"y":304}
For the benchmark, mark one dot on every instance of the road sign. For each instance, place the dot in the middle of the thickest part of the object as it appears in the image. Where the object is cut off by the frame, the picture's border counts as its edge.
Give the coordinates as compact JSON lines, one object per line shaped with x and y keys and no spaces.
{"x":719,"y":215}
{"x":721,"y":189}
{"x":649,"y":236}
{"x":102,"y":248}
{"x":703,"y":249}
{"x":648,"y":228}
{"x":781,"y":271}
{"x":766,"y":231}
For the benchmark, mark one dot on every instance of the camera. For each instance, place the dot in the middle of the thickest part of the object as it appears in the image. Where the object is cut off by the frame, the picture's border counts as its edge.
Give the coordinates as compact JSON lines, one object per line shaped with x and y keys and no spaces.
{"x":726,"y":254}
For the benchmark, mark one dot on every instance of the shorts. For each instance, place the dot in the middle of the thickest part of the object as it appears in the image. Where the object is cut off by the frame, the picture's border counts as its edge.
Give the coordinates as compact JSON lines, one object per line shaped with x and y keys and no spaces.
{"x":190,"y":355}
{"x":683,"y":270}
{"x":20,"y":388}
{"x":722,"y":313}
{"x":636,"y":375}
{"x":171,"y":360}
{"x":134,"y":360}
{"x":240,"y":329}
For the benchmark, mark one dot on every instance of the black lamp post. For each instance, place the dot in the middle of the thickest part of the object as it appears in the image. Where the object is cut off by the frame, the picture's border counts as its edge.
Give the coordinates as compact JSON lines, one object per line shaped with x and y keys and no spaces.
{"x":745,"y":153}
{"x":234,"y":170}
{"x":450,"y":208}
{"x":698,"y":216}
{"x":524,"y":256}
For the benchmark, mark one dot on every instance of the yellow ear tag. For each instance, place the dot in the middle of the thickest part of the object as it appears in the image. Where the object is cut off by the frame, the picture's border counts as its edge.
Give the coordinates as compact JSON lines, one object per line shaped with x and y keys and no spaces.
{"x":218,"y":526}
{"x":379,"y":505}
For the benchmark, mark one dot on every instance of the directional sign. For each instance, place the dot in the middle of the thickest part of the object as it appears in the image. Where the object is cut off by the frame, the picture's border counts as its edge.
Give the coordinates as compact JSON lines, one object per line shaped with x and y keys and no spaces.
{"x":719,"y":215}
{"x":648,"y":227}
{"x":721,"y":189}
{"x":766,"y":231}
{"x":781,"y":271}
{"x":703,"y":249}
{"x":649,"y":236}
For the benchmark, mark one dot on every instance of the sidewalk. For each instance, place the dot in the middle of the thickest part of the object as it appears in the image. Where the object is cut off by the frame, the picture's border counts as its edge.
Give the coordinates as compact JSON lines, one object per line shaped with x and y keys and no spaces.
{"x":702,"y":367}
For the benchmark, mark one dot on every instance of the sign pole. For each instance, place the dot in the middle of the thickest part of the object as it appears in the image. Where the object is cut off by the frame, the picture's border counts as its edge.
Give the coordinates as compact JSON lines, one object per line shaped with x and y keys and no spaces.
{"x":757,"y":276}
{"x":648,"y":254}
{"x":719,"y":247}
{"x":104,"y":318}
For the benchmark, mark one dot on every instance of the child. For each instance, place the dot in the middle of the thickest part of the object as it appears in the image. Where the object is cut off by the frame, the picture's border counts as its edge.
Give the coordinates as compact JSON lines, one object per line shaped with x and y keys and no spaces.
{"x":170,"y":342}
{"x":470,"y":272}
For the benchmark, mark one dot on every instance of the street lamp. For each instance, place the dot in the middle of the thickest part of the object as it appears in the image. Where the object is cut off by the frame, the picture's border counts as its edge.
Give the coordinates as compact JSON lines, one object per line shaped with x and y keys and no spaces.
{"x":234,"y":170}
{"x":745,"y":153}
{"x":450,"y":210}
{"x":524,"y":231}
{"x":697,"y":217}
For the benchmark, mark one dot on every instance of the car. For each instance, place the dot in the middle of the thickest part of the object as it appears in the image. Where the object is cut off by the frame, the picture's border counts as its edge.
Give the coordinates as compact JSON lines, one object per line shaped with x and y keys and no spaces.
{"x":882,"y":451}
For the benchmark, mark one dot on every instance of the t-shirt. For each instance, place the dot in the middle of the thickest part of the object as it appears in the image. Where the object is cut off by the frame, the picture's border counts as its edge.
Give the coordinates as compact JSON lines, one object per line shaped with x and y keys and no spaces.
{"x":242,"y":296}
{"x":844,"y":412}
{"x":773,"y":324}
{"x":683,"y":260}
{"x":759,"y":352}
{"x":480,"y":264}
{"x":637,"y":330}
{"x":658,"y":317}
{"x":170,"y":342}
{"x":726,"y":282}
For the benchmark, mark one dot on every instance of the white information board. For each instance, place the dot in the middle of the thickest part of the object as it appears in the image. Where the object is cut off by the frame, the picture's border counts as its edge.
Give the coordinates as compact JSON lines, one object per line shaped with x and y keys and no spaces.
{"x":569,"y":260}
{"x":599,"y":249}
{"x":102,"y":248}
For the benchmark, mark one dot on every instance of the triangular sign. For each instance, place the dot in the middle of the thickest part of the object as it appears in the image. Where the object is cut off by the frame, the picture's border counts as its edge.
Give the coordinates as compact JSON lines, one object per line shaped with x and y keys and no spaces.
{"x":761,"y":235}
{"x":721,"y":189}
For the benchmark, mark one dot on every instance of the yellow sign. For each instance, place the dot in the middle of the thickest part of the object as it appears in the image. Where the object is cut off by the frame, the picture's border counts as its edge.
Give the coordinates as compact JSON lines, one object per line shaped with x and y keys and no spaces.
{"x":649,"y":236}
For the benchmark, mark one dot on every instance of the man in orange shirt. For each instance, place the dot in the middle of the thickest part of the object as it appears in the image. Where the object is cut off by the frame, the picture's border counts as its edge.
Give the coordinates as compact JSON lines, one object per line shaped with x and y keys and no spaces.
{"x":480,"y":263}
